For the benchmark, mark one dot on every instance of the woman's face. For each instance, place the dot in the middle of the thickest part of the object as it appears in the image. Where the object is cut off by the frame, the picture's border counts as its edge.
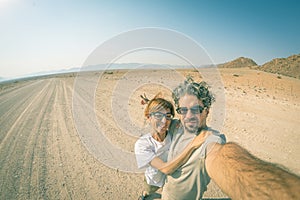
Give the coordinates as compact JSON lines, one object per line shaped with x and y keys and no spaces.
{"x":160,"y":120}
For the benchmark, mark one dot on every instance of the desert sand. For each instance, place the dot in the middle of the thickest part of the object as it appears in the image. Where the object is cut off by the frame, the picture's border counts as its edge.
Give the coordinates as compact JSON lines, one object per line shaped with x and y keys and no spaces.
{"x":72,"y":137}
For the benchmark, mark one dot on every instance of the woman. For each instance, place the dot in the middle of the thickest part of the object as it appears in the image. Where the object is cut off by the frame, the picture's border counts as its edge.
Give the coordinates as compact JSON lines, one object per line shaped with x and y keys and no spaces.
{"x":151,"y":149}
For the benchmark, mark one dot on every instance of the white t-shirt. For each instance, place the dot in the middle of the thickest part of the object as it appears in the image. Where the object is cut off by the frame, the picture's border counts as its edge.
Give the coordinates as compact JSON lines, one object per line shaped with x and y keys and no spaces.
{"x":146,"y":148}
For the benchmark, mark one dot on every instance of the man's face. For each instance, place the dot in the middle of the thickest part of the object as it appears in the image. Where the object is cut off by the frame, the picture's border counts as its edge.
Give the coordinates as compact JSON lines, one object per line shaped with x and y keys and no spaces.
{"x":194,"y":115}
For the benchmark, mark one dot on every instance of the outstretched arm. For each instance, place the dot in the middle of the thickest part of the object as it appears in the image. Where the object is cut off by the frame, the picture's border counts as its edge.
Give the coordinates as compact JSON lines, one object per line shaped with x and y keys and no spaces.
{"x":242,"y":176}
{"x":171,"y":166}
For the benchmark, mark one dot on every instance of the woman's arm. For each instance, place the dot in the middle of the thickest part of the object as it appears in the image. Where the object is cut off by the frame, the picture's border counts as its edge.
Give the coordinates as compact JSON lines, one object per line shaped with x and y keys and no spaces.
{"x":171,"y":166}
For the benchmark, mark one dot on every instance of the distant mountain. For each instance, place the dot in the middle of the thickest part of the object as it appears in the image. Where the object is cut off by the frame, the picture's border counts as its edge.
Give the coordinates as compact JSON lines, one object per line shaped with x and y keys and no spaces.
{"x":113,"y":66}
{"x":286,"y":66}
{"x":100,"y":67}
{"x":239,"y":62}
{"x":129,"y":66}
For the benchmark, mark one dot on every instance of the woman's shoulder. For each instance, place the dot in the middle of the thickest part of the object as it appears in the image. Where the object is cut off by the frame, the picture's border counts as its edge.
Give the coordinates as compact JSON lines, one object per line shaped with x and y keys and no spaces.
{"x":144,"y":143}
{"x":145,"y":136}
{"x":174,"y":127}
{"x":175,"y":124}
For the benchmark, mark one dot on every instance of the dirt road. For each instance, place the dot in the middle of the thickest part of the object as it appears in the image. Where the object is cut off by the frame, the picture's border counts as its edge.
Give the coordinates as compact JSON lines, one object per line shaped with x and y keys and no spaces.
{"x":43,"y":156}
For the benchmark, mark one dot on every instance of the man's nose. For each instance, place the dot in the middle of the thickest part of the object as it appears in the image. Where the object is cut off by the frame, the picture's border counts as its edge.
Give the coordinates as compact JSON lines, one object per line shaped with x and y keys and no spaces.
{"x":189,"y":114}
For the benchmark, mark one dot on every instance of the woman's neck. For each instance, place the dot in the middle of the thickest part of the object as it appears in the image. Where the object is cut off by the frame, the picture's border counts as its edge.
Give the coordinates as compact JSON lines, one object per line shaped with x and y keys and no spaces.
{"x":159,"y":137}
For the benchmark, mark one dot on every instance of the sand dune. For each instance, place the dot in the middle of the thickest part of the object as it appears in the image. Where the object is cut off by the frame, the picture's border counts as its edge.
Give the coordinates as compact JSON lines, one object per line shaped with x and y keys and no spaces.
{"x":68,"y":137}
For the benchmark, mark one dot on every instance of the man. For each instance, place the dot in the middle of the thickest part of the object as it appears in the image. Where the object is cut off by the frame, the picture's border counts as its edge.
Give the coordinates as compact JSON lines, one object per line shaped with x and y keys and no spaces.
{"x":193,"y":101}
{"x":239,"y":174}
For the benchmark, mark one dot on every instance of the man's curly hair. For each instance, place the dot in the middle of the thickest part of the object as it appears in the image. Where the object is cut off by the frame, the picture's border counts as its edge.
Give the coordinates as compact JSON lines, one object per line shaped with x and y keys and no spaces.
{"x":200,"y":90}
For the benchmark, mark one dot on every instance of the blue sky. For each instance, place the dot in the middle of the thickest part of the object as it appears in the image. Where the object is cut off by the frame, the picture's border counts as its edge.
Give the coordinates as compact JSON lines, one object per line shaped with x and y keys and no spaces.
{"x":43,"y":35}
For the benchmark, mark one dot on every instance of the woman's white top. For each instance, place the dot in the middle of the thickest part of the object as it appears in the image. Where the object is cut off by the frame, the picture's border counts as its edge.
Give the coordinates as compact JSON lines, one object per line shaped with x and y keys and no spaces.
{"x":146,"y":148}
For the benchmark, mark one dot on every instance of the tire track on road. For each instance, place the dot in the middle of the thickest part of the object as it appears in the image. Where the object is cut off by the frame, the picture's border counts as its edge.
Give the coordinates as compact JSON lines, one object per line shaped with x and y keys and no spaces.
{"x":18,"y":89}
{"x":36,"y":159}
{"x":21,"y":115}
{"x":70,"y":155}
{"x":14,"y":103}
{"x":63,"y":188}
{"x":74,"y":168}
{"x":14,"y":147}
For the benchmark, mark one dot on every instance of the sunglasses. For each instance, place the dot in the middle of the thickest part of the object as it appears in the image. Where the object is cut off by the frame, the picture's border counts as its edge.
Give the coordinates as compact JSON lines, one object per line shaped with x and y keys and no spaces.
{"x":194,"y":110}
{"x":160,"y":116}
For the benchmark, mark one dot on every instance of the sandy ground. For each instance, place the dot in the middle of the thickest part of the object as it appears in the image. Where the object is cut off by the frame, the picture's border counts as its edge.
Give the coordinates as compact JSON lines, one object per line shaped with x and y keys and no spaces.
{"x":69,"y":137}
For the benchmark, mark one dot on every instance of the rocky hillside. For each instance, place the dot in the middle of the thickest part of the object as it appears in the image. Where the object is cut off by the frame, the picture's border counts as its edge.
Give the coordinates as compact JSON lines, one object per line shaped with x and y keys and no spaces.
{"x":286,"y":66}
{"x":239,"y":62}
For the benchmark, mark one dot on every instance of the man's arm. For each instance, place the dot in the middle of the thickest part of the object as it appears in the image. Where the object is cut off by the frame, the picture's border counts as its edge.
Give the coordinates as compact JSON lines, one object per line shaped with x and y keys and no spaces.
{"x":242,"y":176}
{"x":171,"y":166}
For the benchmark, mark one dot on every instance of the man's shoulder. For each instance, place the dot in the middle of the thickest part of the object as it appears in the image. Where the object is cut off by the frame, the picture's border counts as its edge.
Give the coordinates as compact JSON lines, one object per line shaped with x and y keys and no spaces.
{"x":216,"y":136}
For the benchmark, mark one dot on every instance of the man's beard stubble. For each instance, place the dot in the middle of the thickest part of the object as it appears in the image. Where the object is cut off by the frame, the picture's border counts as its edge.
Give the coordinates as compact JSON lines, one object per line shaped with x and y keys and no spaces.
{"x":192,"y":129}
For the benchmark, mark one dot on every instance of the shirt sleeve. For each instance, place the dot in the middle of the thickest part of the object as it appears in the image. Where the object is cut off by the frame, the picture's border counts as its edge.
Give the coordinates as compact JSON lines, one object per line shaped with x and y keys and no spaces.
{"x":216,"y":137}
{"x":144,"y":152}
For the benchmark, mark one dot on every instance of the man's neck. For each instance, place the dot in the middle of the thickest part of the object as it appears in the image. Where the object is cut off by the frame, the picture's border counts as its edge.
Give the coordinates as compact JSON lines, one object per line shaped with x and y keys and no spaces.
{"x":198,"y":131}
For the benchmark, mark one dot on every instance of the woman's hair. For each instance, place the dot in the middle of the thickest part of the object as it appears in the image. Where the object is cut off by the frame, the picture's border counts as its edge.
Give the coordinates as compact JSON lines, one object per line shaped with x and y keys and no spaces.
{"x":156,"y":104}
{"x":200,"y":90}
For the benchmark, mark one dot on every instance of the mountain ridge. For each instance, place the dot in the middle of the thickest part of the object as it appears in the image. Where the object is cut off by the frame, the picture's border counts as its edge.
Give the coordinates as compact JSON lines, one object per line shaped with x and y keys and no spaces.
{"x":289,"y":66}
{"x":238,"y":62}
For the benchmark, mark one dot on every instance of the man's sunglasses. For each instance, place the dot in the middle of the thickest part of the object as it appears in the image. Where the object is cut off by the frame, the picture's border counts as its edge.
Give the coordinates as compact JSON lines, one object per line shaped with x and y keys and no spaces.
{"x":160,"y":116}
{"x":194,"y":110}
